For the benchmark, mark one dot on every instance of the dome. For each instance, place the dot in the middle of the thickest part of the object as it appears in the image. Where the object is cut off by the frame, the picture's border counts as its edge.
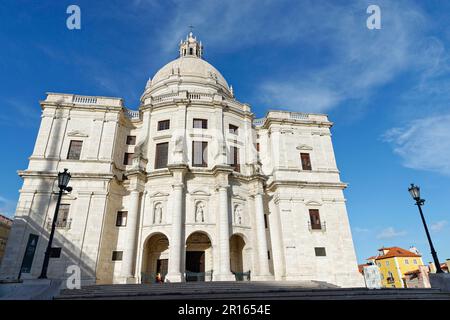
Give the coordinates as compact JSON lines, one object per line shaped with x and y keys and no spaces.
{"x":189,"y":66}
{"x":189,"y":72}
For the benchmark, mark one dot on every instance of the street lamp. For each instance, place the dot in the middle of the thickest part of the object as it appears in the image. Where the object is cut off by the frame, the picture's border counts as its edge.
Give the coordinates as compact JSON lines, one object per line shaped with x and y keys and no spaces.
{"x":415,"y":194}
{"x":63,"y":181}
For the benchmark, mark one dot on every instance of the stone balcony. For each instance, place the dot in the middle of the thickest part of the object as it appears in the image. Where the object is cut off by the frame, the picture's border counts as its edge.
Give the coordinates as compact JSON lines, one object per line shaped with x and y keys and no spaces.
{"x":64,"y":98}
{"x":290,"y":116}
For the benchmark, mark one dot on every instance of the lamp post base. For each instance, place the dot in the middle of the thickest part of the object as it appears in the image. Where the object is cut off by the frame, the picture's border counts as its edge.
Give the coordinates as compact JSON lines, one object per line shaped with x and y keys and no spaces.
{"x":440,"y":281}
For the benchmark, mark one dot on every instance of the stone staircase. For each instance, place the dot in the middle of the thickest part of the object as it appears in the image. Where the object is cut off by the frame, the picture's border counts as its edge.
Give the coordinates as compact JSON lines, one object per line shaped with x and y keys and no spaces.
{"x":304,"y":290}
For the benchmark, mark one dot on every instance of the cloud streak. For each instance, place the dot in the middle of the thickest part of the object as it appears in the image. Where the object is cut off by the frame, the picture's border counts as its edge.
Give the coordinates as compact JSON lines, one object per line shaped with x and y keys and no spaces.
{"x":423,"y":144}
{"x":390,"y":233}
{"x":438,"y":226}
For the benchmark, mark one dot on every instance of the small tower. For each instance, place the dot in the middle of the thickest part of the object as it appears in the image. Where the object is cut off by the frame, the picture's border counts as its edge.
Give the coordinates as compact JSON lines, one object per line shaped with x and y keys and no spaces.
{"x":191,"y":47}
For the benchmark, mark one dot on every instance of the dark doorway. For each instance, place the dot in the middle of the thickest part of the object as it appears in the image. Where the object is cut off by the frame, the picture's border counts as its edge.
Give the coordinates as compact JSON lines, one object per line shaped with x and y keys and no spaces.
{"x":195,"y":266}
{"x":195,"y":261}
{"x":162,"y":267}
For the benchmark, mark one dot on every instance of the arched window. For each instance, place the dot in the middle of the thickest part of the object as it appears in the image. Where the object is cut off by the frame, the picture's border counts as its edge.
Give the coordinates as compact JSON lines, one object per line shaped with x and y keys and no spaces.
{"x":191,"y":51}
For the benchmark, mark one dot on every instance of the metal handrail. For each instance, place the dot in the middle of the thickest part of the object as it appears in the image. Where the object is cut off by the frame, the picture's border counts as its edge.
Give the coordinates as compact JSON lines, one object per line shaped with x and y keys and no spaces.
{"x":323,"y":226}
{"x":242,"y":276}
{"x":199,"y":276}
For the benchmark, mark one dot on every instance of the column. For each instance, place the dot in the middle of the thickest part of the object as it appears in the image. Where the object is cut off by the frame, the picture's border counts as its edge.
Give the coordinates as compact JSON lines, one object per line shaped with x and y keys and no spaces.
{"x":130,"y":244}
{"x":277,"y":242}
{"x":224,"y":237}
{"x":261,"y":235}
{"x":174,"y":273}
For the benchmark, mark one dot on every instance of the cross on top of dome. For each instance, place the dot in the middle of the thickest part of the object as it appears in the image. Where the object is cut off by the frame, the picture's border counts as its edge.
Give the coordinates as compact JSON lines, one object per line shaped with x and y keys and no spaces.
{"x":191,"y":47}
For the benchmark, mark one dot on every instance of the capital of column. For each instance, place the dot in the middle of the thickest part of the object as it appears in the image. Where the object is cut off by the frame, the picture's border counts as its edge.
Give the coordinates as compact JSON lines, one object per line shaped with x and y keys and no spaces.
{"x":222,"y":187}
{"x":178,"y":186}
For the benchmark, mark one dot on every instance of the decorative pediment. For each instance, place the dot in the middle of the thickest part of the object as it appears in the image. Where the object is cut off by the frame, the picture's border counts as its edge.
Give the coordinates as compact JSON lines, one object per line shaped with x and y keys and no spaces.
{"x":304,"y":147}
{"x":159,"y":194}
{"x":199,"y":192}
{"x":313,"y":203}
{"x":77,"y":133}
{"x":238,"y":197}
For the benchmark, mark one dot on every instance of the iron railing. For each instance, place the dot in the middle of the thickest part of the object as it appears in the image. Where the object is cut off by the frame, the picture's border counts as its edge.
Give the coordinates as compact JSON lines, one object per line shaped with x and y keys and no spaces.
{"x":242,"y":276}
{"x":65,"y":224}
{"x":199,"y":276}
{"x":320,"y":227}
{"x":150,"y":277}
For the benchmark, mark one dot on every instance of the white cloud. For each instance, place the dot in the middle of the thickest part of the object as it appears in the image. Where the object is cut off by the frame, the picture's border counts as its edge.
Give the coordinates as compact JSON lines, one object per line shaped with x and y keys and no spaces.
{"x":390,"y":233}
{"x":438,"y":226}
{"x":423,"y":143}
{"x":354,"y":60}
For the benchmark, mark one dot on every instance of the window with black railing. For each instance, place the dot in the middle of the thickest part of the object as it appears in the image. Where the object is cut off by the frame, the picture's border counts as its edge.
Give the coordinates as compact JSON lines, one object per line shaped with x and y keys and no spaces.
{"x":314,"y":219}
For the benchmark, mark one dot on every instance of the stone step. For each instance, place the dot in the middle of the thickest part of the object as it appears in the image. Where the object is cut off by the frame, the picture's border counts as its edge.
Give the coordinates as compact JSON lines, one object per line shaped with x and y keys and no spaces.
{"x":246,"y":290}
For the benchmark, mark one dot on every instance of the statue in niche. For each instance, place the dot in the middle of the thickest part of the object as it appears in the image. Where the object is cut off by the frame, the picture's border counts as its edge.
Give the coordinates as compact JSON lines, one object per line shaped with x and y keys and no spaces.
{"x":238,"y":215}
{"x":158,"y":214}
{"x":179,"y":145}
{"x":221,"y":149}
{"x":200,"y":213}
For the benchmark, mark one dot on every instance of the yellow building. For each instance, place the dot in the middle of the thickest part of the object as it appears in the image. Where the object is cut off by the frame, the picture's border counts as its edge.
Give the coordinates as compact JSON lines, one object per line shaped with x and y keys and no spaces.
{"x":394,"y":262}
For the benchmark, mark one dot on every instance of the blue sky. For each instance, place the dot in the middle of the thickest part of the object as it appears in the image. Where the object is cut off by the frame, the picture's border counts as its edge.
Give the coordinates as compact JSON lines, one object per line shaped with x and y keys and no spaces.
{"x":387,"y":90}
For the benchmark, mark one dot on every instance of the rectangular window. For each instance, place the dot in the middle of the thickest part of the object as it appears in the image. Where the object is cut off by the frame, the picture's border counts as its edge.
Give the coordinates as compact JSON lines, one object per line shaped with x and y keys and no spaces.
{"x":415,"y":261}
{"x":161,"y":155}
{"x":55,"y":252}
{"x":117,"y":255}
{"x":131,"y":140}
{"x":320,"y":252}
{"x":234,"y":159}
{"x":306,"y":161}
{"x":128,"y":158}
{"x":74,"y":150}
{"x":121,"y":220}
{"x":265,"y":221}
{"x":63,"y":216}
{"x":406,"y":261}
{"x":199,"y":154}
{"x":387,"y":263}
{"x":257,"y":146}
{"x":163,"y":125}
{"x":314,"y":217}
{"x":201,"y":123}
{"x":233,"y":129}
{"x":268,"y":255}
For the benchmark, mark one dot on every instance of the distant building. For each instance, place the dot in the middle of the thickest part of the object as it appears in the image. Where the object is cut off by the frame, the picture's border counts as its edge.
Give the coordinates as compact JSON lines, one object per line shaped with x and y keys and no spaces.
{"x":417,"y":278}
{"x":372,"y":276}
{"x":444,"y":266}
{"x":5,"y":227}
{"x":396,"y":265}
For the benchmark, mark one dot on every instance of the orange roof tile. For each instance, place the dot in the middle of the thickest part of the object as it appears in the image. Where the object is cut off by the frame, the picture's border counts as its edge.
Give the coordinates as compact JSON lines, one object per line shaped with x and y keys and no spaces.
{"x":397,"y":252}
{"x":412,"y":272}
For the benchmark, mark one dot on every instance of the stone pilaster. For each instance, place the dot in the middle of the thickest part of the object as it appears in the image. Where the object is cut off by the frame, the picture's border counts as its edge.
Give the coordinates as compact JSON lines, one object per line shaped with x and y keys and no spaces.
{"x":176,"y":242}
{"x":128,"y":267}
{"x":263,"y":260}
{"x":224,"y":236}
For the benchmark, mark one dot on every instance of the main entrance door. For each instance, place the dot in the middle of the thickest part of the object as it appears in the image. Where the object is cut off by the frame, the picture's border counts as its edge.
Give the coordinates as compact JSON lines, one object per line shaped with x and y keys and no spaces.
{"x":195,"y":261}
{"x":195,"y":266}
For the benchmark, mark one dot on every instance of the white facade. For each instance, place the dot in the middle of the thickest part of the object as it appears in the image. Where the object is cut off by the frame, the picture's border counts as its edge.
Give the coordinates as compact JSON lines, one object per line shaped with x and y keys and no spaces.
{"x":213,"y":212}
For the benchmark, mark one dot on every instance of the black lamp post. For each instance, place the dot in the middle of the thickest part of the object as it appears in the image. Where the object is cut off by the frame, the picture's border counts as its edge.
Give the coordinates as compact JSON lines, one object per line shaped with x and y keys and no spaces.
{"x":415,"y":194}
{"x":63,"y":181}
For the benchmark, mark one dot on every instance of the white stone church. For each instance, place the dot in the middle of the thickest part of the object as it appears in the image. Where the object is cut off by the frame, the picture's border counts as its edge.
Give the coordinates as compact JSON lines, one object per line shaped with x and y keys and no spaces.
{"x":191,"y":186}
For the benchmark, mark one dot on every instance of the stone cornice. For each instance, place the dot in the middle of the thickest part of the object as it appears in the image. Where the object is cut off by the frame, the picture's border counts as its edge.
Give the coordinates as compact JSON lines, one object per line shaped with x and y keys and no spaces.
{"x":273,"y":185}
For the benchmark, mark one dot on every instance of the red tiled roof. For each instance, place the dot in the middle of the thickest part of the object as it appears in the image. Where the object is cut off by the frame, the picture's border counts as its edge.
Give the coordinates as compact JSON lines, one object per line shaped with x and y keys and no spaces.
{"x":361,"y":267}
{"x":412,"y":272}
{"x":397,"y":252}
